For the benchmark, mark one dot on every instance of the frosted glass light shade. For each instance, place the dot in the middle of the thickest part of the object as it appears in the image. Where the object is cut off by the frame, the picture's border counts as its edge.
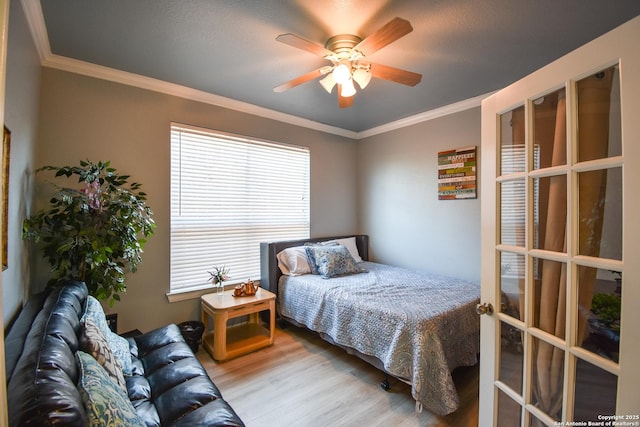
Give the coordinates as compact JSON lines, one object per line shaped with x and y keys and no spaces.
{"x":342,"y":73}
{"x":362,"y":77}
{"x":328,"y":82}
{"x":348,"y":89}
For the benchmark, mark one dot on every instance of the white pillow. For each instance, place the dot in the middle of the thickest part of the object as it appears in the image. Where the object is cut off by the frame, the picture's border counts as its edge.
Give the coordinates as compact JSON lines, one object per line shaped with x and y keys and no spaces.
{"x":349,"y":243}
{"x":293,"y":261}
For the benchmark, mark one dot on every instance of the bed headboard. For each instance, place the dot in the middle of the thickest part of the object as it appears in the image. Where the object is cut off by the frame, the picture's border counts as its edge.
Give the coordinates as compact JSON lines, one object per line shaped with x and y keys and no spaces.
{"x":269,"y":271}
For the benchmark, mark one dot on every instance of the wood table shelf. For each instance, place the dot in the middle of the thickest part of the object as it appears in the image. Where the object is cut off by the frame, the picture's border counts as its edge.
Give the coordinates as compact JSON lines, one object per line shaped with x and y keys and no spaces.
{"x":229,"y":341}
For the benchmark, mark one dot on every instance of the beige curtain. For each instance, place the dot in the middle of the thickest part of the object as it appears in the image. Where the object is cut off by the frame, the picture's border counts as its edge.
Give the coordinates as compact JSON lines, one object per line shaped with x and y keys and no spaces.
{"x":552,"y":290}
{"x":593,"y":124}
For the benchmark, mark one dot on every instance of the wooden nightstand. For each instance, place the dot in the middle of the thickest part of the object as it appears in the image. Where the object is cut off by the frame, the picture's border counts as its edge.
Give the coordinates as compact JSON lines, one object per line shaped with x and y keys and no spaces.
{"x":225,"y":342}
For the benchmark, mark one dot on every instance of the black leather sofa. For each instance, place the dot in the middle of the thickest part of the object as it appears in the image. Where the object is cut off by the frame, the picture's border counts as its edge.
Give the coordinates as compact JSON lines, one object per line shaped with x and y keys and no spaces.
{"x":168,"y":385}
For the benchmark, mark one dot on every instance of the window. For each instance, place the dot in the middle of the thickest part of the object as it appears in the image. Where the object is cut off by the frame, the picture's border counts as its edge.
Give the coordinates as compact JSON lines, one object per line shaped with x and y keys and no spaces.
{"x":228,"y":194}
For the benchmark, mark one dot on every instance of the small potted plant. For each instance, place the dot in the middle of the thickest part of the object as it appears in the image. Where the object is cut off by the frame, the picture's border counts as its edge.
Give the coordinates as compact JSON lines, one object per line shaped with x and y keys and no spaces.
{"x":218,"y":275}
{"x":93,"y":232}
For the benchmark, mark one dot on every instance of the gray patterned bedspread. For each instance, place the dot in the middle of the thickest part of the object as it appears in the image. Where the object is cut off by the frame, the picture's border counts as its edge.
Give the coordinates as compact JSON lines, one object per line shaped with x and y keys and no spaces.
{"x":419,"y":326}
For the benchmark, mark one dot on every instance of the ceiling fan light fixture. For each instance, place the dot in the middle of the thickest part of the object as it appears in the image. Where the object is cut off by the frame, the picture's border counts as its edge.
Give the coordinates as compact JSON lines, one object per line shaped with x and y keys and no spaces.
{"x":347,"y":54}
{"x":328,"y":82}
{"x":362,"y":77}
{"x":342,"y":72}
{"x":348,"y":89}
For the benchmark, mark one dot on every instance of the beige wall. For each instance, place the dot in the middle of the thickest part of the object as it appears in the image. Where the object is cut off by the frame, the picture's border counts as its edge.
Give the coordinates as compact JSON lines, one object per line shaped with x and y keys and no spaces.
{"x":21,"y":117}
{"x":398,"y":198}
{"x":83,"y":117}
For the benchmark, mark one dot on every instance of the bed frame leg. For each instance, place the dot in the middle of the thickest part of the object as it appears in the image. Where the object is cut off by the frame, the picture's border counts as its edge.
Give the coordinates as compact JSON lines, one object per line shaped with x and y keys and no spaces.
{"x":386,"y":386}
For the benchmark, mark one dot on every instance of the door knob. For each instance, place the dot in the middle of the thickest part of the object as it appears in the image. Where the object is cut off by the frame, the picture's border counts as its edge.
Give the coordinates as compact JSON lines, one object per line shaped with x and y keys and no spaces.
{"x":484,"y":308}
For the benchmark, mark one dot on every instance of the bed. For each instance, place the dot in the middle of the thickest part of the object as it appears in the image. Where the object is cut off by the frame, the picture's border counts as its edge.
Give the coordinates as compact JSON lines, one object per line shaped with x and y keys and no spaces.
{"x":415,"y":326}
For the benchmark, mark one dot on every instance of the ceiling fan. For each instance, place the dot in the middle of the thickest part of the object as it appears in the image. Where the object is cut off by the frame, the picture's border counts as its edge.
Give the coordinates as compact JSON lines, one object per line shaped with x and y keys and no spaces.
{"x":348,"y":54}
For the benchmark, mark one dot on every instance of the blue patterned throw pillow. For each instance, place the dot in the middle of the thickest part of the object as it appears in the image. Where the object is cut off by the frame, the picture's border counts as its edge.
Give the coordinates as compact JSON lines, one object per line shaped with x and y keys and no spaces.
{"x":332,"y":260}
{"x":311,"y":254}
{"x":94,"y":311}
{"x":93,"y":342}
{"x":120,"y":348}
{"x":119,"y":345}
{"x":105,"y":403}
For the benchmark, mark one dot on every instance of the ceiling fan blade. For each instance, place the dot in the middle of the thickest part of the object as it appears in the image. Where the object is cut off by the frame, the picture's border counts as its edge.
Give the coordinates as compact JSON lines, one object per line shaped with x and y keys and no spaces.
{"x":388,"y":33}
{"x":304,"y":44}
{"x":344,"y":102}
{"x":299,"y":80}
{"x":395,"y":74}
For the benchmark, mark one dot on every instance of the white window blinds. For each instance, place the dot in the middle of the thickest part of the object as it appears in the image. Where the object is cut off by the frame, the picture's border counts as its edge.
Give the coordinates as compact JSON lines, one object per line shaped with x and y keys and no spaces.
{"x":513,"y":207}
{"x":228,"y":194}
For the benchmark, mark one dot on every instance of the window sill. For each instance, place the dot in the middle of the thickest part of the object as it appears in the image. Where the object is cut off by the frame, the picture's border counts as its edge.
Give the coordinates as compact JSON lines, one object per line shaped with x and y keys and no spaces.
{"x":197,"y":293}
{"x":187,"y":295}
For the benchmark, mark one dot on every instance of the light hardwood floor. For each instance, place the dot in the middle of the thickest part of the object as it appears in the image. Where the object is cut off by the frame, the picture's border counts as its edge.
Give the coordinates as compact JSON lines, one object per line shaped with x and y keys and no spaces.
{"x":304,"y":381}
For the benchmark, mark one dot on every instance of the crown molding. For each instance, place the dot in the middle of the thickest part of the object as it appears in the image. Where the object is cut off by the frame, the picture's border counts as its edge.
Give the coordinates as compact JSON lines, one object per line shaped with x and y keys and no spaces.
{"x":143,"y":82}
{"x":35,"y":20}
{"x":456,"y":107}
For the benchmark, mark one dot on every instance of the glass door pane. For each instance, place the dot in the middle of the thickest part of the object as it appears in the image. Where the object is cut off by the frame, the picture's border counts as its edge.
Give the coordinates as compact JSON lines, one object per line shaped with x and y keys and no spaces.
{"x":595,"y":392}
{"x":549,"y":129}
{"x":600,"y":213}
{"x":600,"y":302}
{"x":511,"y":357}
{"x":599,"y":121}
{"x":512,"y":285}
{"x":548,"y":371}
{"x":549,"y":297}
{"x":550,"y":213}
{"x":509,"y":411}
{"x":512,"y":149}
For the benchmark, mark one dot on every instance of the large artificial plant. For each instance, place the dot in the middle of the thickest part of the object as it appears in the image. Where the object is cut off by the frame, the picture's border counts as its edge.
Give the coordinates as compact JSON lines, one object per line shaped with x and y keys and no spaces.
{"x":94,"y":232}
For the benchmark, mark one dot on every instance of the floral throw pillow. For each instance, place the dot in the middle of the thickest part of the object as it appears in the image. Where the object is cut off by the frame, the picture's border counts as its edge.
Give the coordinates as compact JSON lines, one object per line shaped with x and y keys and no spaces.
{"x":105,"y":403}
{"x":93,"y":342}
{"x":311,"y":254}
{"x":120,"y":348}
{"x":119,"y":345}
{"x":332,"y":260}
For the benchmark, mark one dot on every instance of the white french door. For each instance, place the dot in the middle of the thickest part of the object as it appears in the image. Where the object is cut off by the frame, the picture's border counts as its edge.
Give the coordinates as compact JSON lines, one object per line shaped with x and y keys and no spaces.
{"x":560,"y":171}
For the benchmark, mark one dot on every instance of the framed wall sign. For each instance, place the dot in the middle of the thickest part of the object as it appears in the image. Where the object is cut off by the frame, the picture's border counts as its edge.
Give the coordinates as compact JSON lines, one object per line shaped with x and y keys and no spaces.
{"x":6,"y":144}
{"x":457,"y":174}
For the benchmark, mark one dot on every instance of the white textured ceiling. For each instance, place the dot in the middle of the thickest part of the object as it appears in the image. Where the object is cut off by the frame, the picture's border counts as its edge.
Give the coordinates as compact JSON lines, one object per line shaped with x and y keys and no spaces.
{"x":463,"y":48}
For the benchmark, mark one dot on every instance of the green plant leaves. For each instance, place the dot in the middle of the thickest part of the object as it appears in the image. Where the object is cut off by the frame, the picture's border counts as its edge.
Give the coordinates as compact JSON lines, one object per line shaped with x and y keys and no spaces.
{"x":95,"y":233}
